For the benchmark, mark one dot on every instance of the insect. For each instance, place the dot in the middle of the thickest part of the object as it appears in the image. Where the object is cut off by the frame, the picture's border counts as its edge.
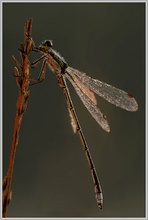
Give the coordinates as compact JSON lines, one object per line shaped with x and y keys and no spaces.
{"x":85,"y":88}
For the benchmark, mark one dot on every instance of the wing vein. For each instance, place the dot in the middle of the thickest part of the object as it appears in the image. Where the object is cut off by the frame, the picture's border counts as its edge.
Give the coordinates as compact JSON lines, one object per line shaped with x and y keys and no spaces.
{"x":91,"y":107}
{"x":110,"y":93}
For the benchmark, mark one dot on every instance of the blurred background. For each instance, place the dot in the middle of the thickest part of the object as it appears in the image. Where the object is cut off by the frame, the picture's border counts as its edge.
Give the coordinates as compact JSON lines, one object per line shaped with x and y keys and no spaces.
{"x":51,"y":176}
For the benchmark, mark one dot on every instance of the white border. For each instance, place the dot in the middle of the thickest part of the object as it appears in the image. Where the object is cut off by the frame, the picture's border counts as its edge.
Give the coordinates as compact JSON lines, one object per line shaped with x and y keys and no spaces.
{"x":76,"y":1}
{"x":146,"y":108}
{"x":1,"y":109}
{"x":1,"y":89}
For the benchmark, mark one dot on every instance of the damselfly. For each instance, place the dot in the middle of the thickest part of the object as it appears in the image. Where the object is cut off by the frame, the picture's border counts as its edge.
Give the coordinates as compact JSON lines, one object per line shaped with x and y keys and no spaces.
{"x":85,"y":88}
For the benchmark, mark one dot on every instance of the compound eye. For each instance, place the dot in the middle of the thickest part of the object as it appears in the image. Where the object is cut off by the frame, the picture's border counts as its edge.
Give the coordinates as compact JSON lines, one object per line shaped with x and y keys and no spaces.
{"x":48,"y":43}
{"x":45,"y":46}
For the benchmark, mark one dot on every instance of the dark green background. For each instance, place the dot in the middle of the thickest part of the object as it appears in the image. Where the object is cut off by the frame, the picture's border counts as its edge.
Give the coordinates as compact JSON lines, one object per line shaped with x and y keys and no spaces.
{"x":51,"y":176}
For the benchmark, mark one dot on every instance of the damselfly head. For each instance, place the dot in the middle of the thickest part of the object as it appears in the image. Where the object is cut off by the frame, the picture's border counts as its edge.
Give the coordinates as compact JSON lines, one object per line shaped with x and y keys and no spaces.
{"x":45,"y":45}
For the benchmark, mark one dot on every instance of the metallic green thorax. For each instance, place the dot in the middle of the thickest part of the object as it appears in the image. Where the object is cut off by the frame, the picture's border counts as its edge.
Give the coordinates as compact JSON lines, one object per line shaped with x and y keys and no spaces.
{"x":46,"y":47}
{"x":59,"y":59}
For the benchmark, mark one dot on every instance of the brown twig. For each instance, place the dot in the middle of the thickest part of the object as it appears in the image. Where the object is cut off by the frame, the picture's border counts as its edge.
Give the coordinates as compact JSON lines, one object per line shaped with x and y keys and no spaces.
{"x":22,"y":78}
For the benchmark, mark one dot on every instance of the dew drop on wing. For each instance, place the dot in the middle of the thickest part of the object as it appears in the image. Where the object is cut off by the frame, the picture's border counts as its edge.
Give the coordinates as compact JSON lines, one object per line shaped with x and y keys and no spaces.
{"x":110,"y":93}
{"x":91,"y":107}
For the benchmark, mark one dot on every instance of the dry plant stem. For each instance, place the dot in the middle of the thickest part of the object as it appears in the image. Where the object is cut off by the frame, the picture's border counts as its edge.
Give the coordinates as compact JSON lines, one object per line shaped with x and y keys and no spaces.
{"x":22,"y":79}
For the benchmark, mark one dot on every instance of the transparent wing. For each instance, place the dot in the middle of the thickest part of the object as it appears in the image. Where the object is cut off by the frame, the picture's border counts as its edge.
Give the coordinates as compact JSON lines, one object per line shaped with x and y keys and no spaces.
{"x":90,"y":94}
{"x":90,"y":105}
{"x":111,"y":94}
